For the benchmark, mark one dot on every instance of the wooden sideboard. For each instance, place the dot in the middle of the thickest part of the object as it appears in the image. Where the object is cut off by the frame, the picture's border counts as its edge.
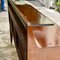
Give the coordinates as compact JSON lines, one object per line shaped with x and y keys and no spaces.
{"x":31,"y":35}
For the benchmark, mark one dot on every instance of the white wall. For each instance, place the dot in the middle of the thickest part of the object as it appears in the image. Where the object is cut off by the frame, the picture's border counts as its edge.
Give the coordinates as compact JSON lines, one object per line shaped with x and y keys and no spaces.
{"x":46,"y":3}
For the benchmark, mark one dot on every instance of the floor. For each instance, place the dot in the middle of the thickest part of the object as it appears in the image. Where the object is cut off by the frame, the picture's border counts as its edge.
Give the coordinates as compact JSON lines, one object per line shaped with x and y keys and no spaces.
{"x":7,"y":51}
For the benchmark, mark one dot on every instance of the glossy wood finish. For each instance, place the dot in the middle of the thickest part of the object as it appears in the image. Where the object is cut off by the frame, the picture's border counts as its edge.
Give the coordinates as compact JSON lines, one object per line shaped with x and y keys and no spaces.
{"x":46,"y":36}
{"x":30,"y":35}
{"x":32,"y":15}
{"x":35,"y":53}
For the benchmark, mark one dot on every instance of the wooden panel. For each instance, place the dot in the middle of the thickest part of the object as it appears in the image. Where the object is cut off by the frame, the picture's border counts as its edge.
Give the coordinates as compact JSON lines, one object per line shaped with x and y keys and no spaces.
{"x":19,"y":35}
{"x":35,"y":53}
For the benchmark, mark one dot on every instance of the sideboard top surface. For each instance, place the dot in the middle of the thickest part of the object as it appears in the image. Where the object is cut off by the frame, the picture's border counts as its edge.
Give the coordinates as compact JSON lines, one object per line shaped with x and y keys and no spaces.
{"x":31,"y":16}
